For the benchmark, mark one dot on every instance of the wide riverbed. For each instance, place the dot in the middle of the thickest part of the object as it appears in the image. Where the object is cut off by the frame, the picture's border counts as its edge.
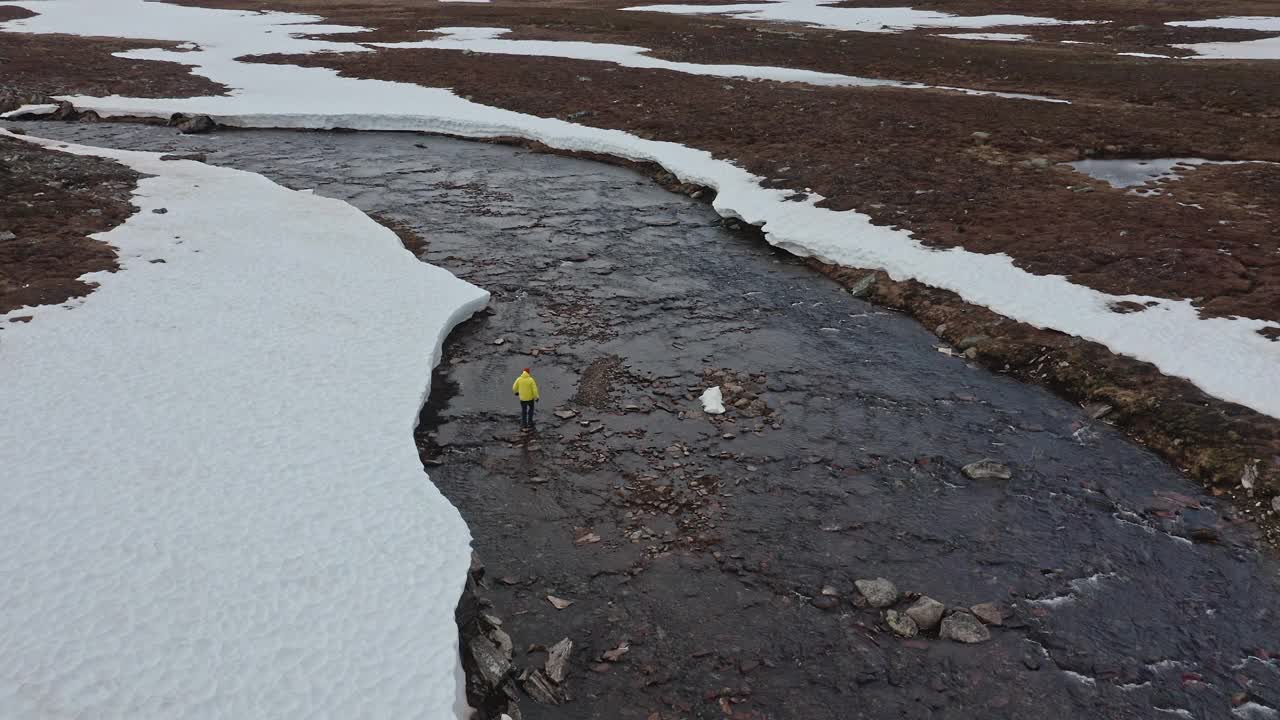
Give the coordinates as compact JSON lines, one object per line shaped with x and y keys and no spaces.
{"x":1129,"y":593}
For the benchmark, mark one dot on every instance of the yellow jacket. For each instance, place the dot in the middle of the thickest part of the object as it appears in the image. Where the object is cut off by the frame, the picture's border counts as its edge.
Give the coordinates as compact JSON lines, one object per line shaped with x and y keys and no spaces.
{"x":526,"y":387}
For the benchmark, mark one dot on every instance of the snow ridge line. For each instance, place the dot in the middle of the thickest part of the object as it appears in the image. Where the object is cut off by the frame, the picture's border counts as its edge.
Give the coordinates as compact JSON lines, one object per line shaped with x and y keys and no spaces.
{"x":1228,"y":357}
{"x":242,"y":526}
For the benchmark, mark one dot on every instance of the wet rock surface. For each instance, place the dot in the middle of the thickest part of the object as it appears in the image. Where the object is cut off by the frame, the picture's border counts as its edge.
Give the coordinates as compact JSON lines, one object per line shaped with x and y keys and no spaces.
{"x":721,"y":538}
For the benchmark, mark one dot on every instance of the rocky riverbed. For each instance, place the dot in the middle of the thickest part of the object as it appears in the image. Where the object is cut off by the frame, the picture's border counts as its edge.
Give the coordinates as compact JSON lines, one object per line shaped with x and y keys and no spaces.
{"x":770,"y":562}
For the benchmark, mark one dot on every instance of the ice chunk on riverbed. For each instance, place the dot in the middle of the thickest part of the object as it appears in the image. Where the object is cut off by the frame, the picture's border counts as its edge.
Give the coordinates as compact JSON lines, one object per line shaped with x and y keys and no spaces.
{"x":213,"y":503}
{"x":712,"y":401}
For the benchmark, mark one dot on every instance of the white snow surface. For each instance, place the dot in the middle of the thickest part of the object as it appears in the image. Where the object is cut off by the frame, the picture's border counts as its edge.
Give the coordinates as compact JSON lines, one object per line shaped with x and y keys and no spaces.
{"x":994,"y":37}
{"x":1226,"y":357}
{"x":821,"y":13}
{"x":489,"y":40}
{"x":1263,"y":49}
{"x":213,"y":503}
{"x":712,"y":401}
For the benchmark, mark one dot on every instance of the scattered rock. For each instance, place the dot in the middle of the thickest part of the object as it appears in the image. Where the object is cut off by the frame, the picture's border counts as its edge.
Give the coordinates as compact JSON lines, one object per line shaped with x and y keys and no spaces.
{"x":879,"y":593}
{"x":565,"y":414}
{"x":963,"y":627}
{"x":1249,"y":477}
{"x":926,"y":612}
{"x":1039,"y":163}
{"x":502,"y":641}
{"x":492,"y":665}
{"x":197,"y":125}
{"x":559,"y":603}
{"x":987,"y":468}
{"x":971,"y":341}
{"x":863,"y":287}
{"x":1097,"y":409}
{"x":65,"y":111}
{"x":1275,"y":503}
{"x":6,"y":235}
{"x":160,"y":211}
{"x":557,"y":665}
{"x":89,"y":116}
{"x":825,"y":602}
{"x":615,"y":654}
{"x":902,"y":625}
{"x":540,"y":688}
{"x":989,"y":613}
{"x":981,"y":138}
{"x":500,"y":341}
{"x":587,"y":539}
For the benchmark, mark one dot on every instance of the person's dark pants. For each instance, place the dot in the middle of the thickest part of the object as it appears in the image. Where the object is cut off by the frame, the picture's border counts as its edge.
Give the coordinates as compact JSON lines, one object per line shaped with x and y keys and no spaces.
{"x":526,"y":413}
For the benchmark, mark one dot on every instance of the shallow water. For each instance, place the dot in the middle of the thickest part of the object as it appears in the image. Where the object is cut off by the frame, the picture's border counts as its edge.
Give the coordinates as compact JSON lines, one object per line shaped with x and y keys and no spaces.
{"x":1132,"y":172}
{"x":1131,"y":593}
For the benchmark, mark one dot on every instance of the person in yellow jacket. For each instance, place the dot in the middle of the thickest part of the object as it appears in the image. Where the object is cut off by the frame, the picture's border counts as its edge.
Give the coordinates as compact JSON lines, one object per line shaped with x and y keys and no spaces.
{"x":526,"y":388}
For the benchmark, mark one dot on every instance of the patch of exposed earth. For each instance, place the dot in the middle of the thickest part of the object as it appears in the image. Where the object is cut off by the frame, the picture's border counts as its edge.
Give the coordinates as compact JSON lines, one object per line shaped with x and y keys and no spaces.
{"x":704,"y":566}
{"x":52,"y":203}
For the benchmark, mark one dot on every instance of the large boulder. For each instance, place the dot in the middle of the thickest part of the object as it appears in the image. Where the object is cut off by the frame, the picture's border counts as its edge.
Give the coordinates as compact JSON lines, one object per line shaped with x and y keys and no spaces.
{"x":926,"y":612}
{"x":987,"y":468}
{"x":194,"y":125}
{"x":901,"y":624}
{"x":879,"y":593}
{"x":963,"y":627}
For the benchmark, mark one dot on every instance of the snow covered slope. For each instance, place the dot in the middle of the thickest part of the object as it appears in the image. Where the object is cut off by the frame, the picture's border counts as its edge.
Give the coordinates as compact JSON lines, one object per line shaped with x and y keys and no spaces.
{"x":213,"y":503}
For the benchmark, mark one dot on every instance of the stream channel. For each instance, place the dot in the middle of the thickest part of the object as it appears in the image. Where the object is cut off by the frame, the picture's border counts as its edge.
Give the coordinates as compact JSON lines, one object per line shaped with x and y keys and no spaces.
{"x":702,"y":545}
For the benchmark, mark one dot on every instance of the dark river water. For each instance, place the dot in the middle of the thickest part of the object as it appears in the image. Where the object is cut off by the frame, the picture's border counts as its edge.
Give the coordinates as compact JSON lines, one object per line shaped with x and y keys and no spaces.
{"x":1128,"y":593}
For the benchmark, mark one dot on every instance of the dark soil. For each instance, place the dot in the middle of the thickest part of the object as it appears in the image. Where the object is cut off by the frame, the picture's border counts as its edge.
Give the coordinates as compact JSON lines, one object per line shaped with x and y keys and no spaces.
{"x":52,"y":202}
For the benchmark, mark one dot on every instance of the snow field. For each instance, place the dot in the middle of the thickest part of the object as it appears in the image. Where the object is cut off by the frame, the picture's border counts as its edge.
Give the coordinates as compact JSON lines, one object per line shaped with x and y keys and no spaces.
{"x":824,"y":14}
{"x":1225,"y":357}
{"x":214,"y":507}
{"x":489,"y":40}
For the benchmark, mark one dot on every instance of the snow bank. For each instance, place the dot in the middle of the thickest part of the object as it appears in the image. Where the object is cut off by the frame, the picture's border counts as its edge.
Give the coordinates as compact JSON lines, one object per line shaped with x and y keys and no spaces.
{"x":821,"y":13}
{"x":1226,"y":357}
{"x":994,"y":37}
{"x":488,"y":40}
{"x":1264,"y":49}
{"x":213,"y":503}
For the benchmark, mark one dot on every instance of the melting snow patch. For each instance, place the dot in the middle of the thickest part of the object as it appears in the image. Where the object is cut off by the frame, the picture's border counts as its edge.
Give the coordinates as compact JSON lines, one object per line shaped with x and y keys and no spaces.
{"x":712,"y":401}
{"x":1180,"y":712}
{"x":488,"y":40}
{"x":1264,"y":49}
{"x":1132,"y":172}
{"x":996,"y":37}
{"x":241,"y":527}
{"x":1145,"y":55}
{"x":823,"y":13}
{"x":1239,"y":368}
